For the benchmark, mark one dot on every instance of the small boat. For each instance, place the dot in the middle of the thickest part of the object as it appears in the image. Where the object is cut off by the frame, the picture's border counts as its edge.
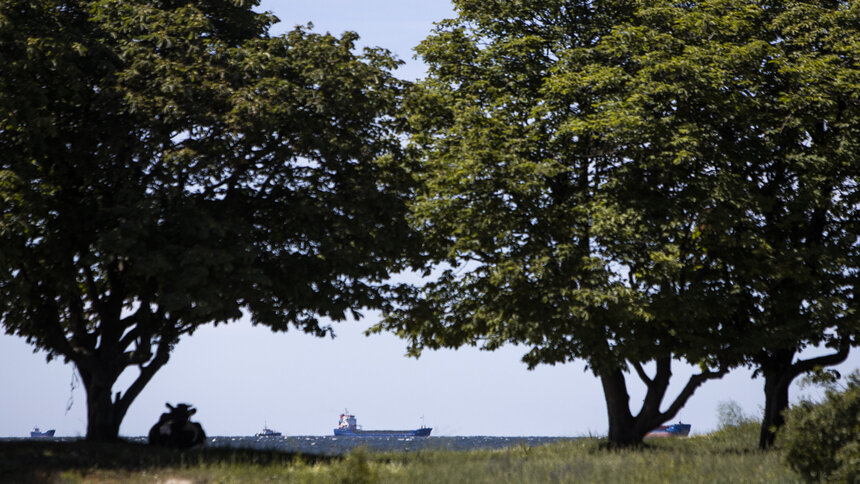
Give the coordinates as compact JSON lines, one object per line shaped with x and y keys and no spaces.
{"x":267,"y":432}
{"x":38,"y":434}
{"x":348,"y":427}
{"x":674,"y":430}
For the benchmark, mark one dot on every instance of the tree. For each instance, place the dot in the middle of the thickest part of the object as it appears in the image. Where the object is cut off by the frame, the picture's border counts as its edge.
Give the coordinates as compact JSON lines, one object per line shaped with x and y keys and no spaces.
{"x":764,"y":95}
{"x":809,"y":200}
{"x":168,"y":164}
{"x":561,"y":230}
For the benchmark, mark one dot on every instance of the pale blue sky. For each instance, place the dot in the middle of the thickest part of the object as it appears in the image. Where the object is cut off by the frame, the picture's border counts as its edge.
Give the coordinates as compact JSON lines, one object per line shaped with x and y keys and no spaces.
{"x":240,"y":377}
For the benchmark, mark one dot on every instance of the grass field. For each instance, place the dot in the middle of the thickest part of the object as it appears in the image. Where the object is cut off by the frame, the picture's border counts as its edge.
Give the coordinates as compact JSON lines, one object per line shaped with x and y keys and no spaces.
{"x":728,"y":455}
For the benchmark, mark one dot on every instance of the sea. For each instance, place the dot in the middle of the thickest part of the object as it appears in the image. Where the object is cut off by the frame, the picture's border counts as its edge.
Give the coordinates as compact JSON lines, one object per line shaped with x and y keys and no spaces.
{"x":331,"y":445}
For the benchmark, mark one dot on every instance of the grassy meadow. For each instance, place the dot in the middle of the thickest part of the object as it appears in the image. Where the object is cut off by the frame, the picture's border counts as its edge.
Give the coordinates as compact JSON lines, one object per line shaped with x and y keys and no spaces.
{"x":728,"y":455}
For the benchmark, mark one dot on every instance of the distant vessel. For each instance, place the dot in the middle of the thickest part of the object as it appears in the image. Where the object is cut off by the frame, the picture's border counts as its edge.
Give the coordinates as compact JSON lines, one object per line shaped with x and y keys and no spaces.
{"x":674,"y":430}
{"x":347,"y":427}
{"x":267,"y":432}
{"x":38,"y":434}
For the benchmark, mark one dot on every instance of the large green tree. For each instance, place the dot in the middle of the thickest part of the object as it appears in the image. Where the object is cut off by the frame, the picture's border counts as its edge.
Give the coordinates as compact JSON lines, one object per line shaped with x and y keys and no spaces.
{"x":811,"y":214}
{"x":635,"y":181}
{"x":561,"y":234}
{"x":763,"y":96}
{"x":169,"y":164}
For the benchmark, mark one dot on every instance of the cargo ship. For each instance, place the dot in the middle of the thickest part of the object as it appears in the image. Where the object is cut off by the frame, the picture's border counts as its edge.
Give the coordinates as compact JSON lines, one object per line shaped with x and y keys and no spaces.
{"x":38,"y":434}
{"x":674,"y":430}
{"x":348,"y":427}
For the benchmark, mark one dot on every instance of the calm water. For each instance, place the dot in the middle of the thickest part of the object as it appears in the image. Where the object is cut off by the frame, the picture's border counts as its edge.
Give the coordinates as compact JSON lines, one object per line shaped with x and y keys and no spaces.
{"x":330,"y":445}
{"x":341,"y":445}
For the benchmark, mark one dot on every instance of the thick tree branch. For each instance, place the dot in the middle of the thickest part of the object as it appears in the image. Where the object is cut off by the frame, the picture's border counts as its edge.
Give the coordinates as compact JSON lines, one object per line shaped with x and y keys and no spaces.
{"x":93,"y":291}
{"x":658,"y":386}
{"x":805,"y":366}
{"x":134,"y":322}
{"x":116,"y":299}
{"x":146,"y":373}
{"x":141,"y":354}
{"x":148,"y":324}
{"x":693,"y":383}
{"x":138,"y":321}
{"x":641,"y":372}
{"x":80,"y":336}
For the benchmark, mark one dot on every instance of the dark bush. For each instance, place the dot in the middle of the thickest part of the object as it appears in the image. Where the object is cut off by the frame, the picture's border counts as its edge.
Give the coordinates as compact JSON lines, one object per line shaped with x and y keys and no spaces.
{"x":822,"y":440}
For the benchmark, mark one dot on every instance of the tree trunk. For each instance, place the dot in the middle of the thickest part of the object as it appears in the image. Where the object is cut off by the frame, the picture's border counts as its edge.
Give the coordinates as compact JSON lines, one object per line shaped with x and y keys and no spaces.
{"x":104,"y":415}
{"x":779,"y":371}
{"x":627,"y":430}
{"x":776,"y":383}
{"x":621,"y":422}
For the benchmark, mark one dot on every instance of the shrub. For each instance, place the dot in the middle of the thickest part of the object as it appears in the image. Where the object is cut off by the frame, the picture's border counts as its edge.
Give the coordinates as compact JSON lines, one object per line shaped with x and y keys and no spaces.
{"x":821,"y":439}
{"x":731,"y":414}
{"x":736,"y":429}
{"x":356,"y":468}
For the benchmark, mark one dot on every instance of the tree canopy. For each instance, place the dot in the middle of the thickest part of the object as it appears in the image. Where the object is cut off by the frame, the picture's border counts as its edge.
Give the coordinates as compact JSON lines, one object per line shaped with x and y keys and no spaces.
{"x":169,"y":164}
{"x":627,"y":182}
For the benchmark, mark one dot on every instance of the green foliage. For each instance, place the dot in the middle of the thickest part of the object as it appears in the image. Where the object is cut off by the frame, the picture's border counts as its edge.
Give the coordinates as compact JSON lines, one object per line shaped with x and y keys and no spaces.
{"x":821,"y":441}
{"x":822,"y":378}
{"x":356,"y":468}
{"x":169,"y":164}
{"x":556,"y":239}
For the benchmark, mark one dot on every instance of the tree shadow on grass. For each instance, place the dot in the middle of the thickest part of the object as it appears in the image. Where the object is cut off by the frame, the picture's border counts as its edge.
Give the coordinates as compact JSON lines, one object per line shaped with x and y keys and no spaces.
{"x":27,"y":461}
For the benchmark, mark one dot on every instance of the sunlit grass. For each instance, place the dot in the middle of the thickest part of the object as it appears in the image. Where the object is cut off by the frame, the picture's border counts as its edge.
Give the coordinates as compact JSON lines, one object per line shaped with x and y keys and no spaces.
{"x":728,"y":455}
